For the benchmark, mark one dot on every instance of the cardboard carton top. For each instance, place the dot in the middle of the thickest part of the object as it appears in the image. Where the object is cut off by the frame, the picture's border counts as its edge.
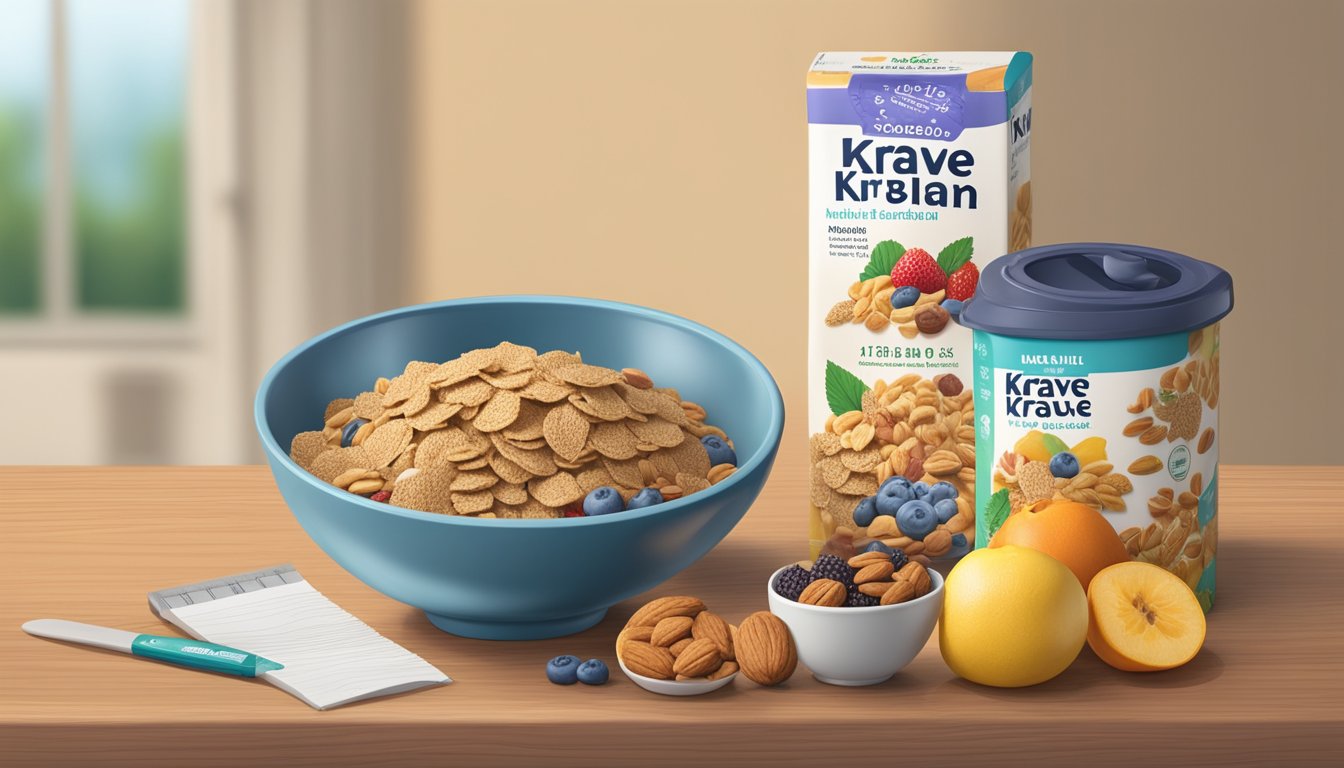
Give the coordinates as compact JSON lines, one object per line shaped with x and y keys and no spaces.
{"x":985,"y":70}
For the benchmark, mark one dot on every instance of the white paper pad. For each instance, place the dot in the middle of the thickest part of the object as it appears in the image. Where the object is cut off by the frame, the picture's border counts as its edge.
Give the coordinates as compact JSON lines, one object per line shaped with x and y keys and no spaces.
{"x":331,"y":658}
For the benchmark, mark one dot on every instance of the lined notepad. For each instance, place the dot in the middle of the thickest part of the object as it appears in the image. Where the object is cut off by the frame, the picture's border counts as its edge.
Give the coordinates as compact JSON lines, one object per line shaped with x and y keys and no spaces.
{"x":331,"y":658}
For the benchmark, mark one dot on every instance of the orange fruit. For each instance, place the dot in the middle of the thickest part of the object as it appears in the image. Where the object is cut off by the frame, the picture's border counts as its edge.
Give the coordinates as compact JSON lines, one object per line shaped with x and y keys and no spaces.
{"x":1142,"y":618}
{"x":1074,"y":534}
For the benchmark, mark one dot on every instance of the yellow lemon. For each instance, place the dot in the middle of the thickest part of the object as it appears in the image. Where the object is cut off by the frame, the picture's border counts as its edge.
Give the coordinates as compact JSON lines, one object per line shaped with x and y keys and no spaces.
{"x":1011,"y":617}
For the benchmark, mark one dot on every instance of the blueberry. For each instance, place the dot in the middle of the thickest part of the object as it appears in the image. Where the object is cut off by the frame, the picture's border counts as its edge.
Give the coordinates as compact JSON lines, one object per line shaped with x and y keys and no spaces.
{"x":877,"y":546}
{"x":897,"y":480}
{"x":593,"y":672}
{"x":891,"y":496}
{"x":602,"y":501}
{"x":647,"y":497}
{"x":719,"y":451}
{"x":920,"y":489}
{"x":349,"y":430}
{"x":563,"y":670}
{"x":953,"y":307}
{"x":941,"y":490}
{"x":865,"y":512}
{"x":945,"y":509}
{"x":1064,"y":464}
{"x":916,"y":519}
{"x":905,"y":296}
{"x":958,"y":542}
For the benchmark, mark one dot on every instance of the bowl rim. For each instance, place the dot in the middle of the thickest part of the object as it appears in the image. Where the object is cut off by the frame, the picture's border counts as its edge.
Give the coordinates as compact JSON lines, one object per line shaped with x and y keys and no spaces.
{"x":768,"y":446}
{"x":830,"y":610}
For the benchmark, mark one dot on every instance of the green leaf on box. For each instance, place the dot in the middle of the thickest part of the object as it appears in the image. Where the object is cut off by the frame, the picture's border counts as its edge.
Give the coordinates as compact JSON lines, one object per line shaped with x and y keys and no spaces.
{"x":955,"y":255}
{"x":1054,"y":444}
{"x":844,"y":390}
{"x":884,"y":258}
{"x":996,"y":512}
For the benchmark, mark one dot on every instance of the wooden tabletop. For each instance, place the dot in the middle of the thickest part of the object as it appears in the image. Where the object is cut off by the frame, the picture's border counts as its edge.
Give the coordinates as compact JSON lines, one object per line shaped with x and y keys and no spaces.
{"x":88,"y":544}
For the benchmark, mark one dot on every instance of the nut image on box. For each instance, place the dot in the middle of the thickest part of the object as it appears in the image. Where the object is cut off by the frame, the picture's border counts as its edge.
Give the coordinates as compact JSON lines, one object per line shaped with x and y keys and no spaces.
{"x":1096,"y":382}
{"x":919,"y":172}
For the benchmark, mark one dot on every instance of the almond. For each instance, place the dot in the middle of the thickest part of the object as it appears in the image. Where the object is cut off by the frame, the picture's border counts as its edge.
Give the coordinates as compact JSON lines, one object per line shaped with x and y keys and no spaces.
{"x":899,"y":592}
{"x":827,"y":593}
{"x":875,"y":588}
{"x":880,"y":571}
{"x":670,"y":630}
{"x":656,"y":610}
{"x":863,"y":559}
{"x":697,"y":659}
{"x":710,"y":626}
{"x":918,"y":577}
{"x":938,"y":542}
{"x":648,"y":660}
{"x":942,"y":462}
{"x":883,"y":526}
{"x":765,"y":650}
{"x":637,"y":378}
{"x":1145,"y":465}
{"x":725,"y":669}
{"x":636,"y":634}
{"x":679,"y":646}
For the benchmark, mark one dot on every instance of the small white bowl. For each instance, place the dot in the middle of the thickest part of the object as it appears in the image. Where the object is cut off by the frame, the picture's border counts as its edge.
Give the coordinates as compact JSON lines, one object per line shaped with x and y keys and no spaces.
{"x":671,"y":687}
{"x":859,"y":646}
{"x":674,"y":687}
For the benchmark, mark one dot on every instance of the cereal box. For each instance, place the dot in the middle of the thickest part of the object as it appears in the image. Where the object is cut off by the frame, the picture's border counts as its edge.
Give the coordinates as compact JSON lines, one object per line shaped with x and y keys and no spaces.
{"x":918,"y":168}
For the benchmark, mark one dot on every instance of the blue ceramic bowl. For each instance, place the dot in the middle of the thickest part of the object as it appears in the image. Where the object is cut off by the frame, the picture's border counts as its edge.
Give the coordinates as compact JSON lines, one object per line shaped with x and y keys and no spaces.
{"x":520,"y":579}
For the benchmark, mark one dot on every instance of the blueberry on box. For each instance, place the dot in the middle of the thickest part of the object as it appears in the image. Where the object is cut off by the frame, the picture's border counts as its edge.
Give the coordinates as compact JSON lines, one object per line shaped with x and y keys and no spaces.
{"x":905,"y":296}
{"x":900,"y":481}
{"x":602,"y":500}
{"x":563,"y":670}
{"x":917,"y":519}
{"x":939,"y":491}
{"x":719,"y":451}
{"x":593,"y":672}
{"x":1064,"y":464}
{"x":891,"y":496}
{"x":647,"y":497}
{"x":878,"y":546}
{"x":944,"y":509}
{"x":865,"y":512}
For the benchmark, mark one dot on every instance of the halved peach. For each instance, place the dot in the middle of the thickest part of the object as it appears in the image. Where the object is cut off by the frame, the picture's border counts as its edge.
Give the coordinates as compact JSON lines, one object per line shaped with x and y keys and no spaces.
{"x":1142,"y":618}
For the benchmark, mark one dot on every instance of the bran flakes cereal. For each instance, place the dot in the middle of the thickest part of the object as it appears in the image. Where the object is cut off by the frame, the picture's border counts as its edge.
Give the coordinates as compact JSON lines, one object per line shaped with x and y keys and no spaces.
{"x":505,"y":432}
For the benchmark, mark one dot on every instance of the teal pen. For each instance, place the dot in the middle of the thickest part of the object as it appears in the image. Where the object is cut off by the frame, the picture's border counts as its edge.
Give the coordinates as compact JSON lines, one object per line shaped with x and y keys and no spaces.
{"x":182,"y":651}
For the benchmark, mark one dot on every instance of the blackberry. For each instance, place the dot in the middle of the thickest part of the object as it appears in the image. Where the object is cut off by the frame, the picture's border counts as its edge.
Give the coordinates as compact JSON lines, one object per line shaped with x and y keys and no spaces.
{"x":792,"y":581}
{"x":857,"y":599}
{"x":833,"y":568}
{"x":899,"y":559}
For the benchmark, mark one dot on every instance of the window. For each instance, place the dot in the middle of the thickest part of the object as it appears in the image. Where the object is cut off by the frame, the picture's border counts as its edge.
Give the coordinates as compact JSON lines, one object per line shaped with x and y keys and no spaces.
{"x":92,"y":144}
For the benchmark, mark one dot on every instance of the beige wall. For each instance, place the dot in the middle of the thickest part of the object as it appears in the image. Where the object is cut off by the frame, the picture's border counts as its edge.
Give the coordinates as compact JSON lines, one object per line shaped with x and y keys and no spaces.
{"x":654,"y":152}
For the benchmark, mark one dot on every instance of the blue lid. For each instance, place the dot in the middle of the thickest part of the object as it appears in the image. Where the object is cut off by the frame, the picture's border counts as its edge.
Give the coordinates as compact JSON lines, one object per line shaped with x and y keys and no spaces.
{"x":1097,"y":291}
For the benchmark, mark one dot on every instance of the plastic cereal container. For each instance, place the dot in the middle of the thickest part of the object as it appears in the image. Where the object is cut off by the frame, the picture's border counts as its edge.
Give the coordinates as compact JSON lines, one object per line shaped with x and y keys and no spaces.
{"x":1096,"y":381}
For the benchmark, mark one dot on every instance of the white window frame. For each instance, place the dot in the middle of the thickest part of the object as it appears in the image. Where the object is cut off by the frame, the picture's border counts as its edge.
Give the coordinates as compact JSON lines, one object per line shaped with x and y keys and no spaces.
{"x":210,"y":186}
